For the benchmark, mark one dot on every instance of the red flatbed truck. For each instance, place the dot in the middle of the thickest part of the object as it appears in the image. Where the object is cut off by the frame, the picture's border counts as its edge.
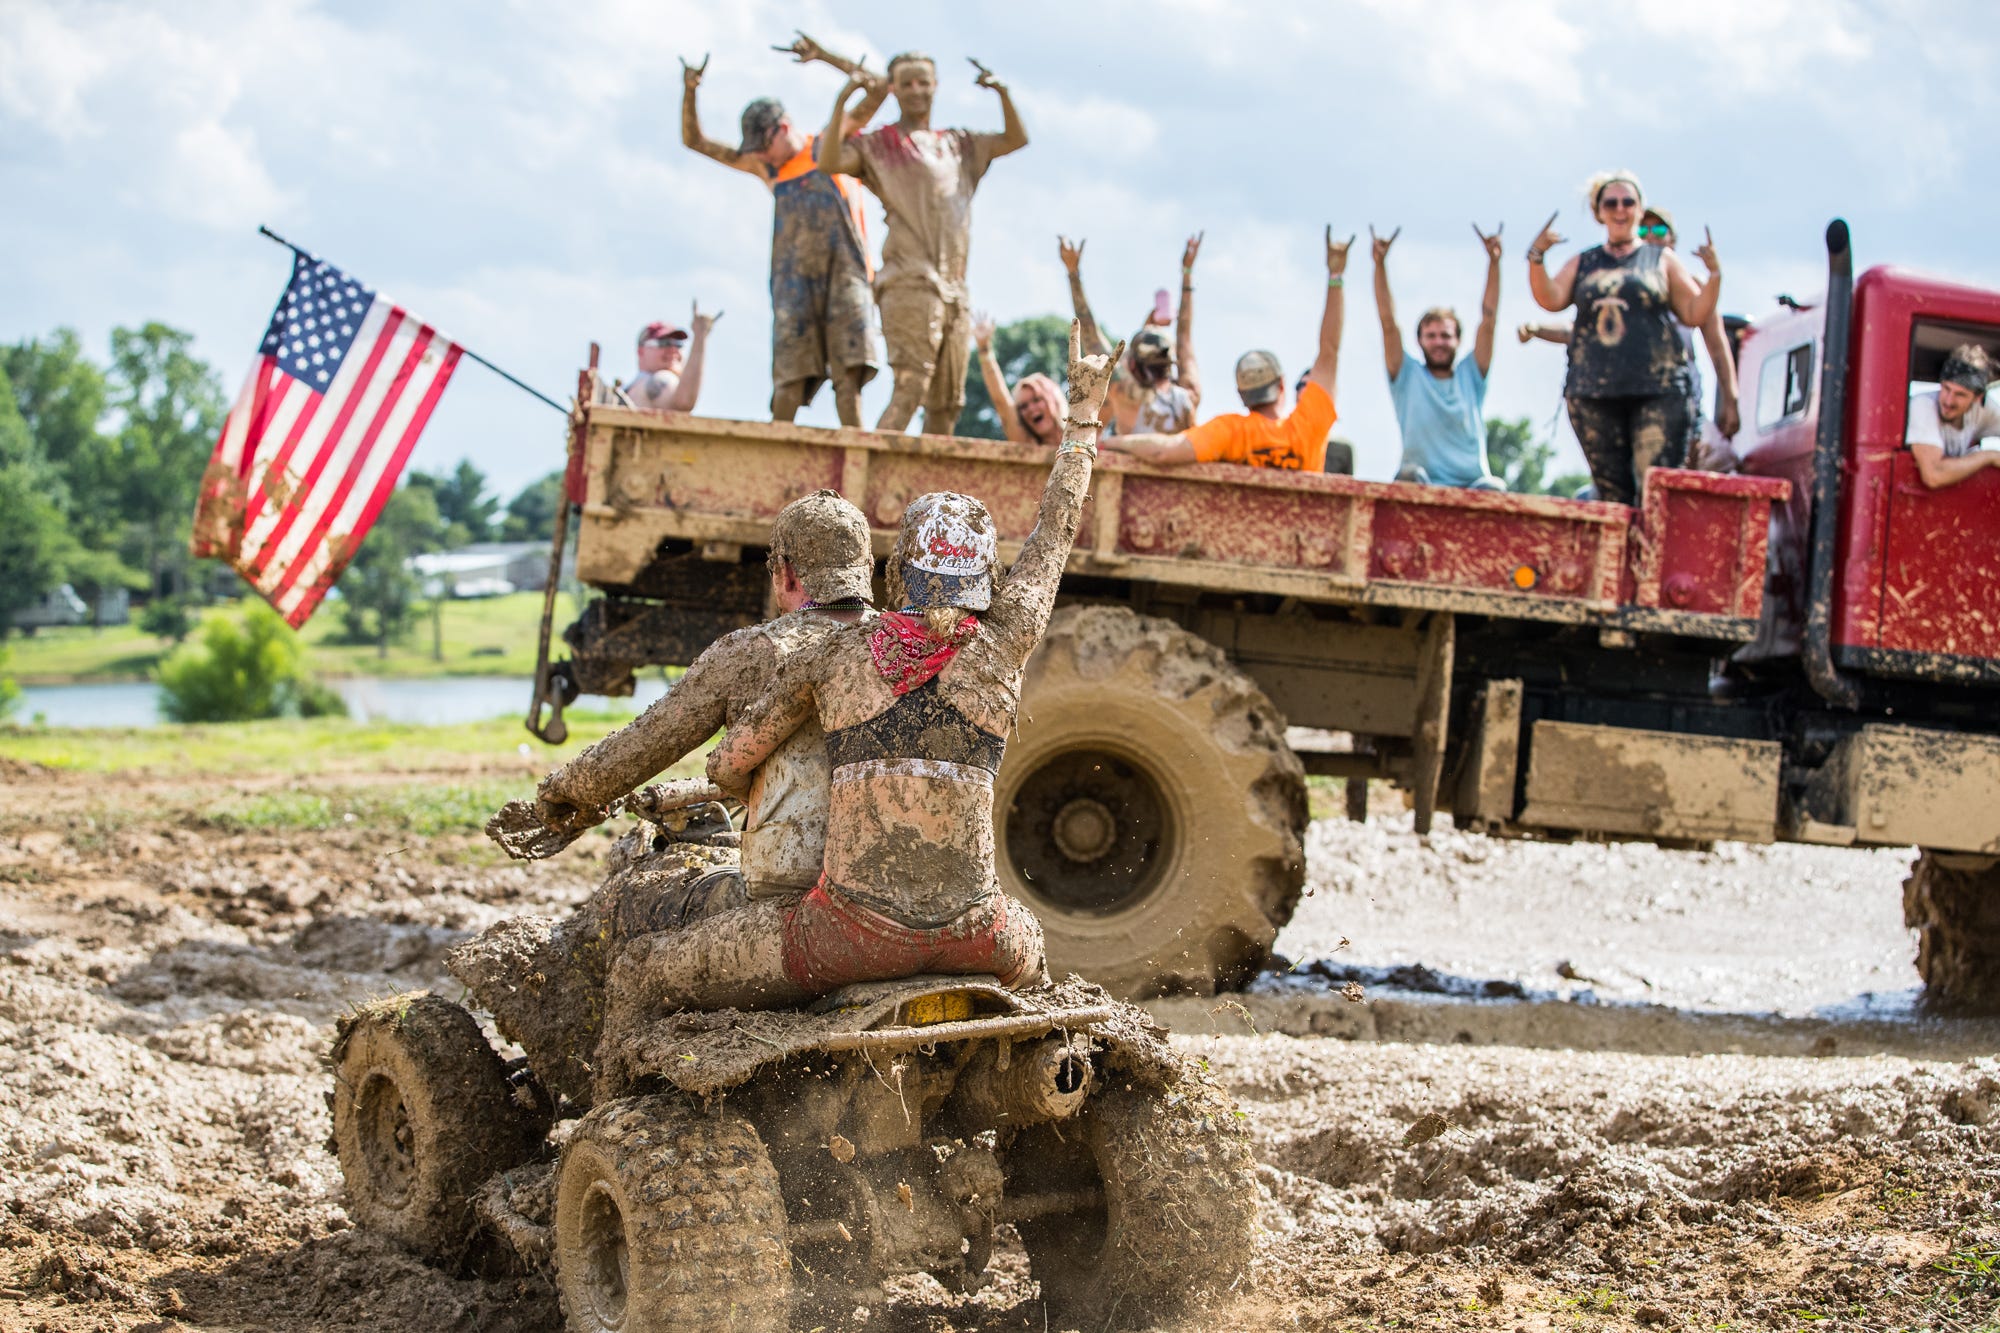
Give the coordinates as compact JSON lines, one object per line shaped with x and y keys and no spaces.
{"x":1537,"y":667}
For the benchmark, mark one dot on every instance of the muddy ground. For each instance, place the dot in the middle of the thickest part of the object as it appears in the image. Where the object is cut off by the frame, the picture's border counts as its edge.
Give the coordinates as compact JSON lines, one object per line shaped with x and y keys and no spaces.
{"x":167,"y":989}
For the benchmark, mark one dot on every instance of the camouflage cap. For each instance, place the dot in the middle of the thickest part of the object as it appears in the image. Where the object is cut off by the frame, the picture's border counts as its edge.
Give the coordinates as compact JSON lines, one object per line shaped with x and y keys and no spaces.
{"x":760,"y":124}
{"x":825,"y":539}
{"x":1259,"y":378}
{"x":1151,"y":347}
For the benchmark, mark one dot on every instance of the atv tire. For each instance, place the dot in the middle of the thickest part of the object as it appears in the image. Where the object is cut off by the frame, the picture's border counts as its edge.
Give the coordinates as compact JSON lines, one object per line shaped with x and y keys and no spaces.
{"x":422,"y":1117}
{"x":1953,"y":903}
{"x":668,"y":1220}
{"x":1179,"y":1204}
{"x":1150,"y":811}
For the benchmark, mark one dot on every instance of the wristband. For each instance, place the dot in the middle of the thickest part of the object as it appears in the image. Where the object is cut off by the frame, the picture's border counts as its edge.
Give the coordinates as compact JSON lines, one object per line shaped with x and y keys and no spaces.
{"x":1076,"y":447}
{"x":1535,"y":256}
{"x":1336,"y":280}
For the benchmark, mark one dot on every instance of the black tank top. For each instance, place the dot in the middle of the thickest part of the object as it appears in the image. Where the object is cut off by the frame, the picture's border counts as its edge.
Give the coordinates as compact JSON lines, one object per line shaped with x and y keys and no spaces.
{"x":1626,"y":340}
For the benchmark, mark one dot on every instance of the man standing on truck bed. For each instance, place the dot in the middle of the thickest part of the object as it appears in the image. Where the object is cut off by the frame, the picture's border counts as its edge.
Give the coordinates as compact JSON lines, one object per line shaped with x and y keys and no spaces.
{"x":822,"y":326}
{"x":1260,"y":437}
{"x":925,"y":179}
{"x":1440,"y":399}
{"x":1947,"y":426}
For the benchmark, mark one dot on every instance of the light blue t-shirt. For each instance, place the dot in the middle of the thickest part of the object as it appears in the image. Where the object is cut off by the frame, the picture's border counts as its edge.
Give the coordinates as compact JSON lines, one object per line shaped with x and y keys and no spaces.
{"x":1444,"y":431}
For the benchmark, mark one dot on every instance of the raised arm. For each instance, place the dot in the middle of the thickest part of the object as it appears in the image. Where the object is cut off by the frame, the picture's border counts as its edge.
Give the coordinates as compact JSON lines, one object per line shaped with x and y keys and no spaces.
{"x":692,"y":136}
{"x":808,"y":51}
{"x":673,"y":728}
{"x":1489,"y":304}
{"x":832,"y":153}
{"x":682,"y":399}
{"x":1026,"y":594}
{"x":1326,"y":366}
{"x":1550,"y":293}
{"x":1013,"y":134}
{"x":1728,"y":414}
{"x":996,"y":381}
{"x":1385,"y":302}
{"x":1694,"y":305}
{"x":1094,"y":340}
{"x":1186,"y":373}
{"x":762,"y":728}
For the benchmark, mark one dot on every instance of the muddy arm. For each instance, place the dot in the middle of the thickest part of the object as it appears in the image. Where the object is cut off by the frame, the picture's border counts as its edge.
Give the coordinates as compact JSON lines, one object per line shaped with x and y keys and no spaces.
{"x":762,"y":728}
{"x":673,"y":728}
{"x":1186,"y":373}
{"x":1026,"y":594}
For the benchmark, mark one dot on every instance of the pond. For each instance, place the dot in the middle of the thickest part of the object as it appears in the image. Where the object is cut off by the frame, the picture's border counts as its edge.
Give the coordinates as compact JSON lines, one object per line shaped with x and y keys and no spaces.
{"x":435,"y":701}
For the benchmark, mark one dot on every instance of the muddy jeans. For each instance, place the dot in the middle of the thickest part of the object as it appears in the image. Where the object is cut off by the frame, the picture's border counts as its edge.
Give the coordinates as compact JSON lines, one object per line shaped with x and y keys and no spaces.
{"x":1625,"y":438}
{"x":930,"y":343}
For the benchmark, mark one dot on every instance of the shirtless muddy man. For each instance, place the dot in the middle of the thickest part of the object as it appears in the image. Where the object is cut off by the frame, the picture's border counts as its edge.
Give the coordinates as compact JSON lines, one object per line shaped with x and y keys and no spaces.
{"x":925,"y":179}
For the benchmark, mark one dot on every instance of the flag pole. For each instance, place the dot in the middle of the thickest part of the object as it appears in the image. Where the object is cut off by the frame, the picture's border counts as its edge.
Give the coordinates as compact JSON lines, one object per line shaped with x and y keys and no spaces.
{"x":469,"y":353}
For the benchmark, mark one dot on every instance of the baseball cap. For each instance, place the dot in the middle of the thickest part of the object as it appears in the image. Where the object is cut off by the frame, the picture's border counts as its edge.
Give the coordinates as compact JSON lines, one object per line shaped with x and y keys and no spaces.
{"x":760,"y":122}
{"x":1259,"y":378}
{"x":661,"y":331}
{"x":1150,"y":347}
{"x":1664,"y":216}
{"x":946,"y":552}
{"x":826,"y":540}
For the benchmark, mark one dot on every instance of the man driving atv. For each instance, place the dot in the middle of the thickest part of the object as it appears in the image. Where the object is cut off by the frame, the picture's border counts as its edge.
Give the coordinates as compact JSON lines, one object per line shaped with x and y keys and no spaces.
{"x":822,"y":569}
{"x":916,"y":708}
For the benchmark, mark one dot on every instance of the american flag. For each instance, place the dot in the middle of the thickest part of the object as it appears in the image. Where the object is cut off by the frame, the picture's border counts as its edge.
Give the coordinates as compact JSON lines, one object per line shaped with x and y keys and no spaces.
{"x":331,"y":409}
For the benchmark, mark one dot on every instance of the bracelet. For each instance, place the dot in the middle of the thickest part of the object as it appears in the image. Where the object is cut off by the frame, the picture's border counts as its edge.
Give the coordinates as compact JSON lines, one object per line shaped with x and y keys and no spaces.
{"x":1336,"y":280}
{"x":1076,"y":447}
{"x":1535,"y":256}
{"x":1079,"y":421}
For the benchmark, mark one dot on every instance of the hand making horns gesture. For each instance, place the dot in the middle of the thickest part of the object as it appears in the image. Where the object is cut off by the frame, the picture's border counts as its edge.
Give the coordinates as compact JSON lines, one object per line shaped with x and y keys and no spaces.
{"x":1336,"y":253}
{"x":1548,"y":238}
{"x":1707,"y":252}
{"x":691,"y":74}
{"x":1089,"y":377}
{"x":1071,"y":252}
{"x":1382,"y":243}
{"x":803,"y":48}
{"x":1192,"y":249}
{"x":1492,"y":243}
{"x":700,"y":324}
{"x":986,"y":77}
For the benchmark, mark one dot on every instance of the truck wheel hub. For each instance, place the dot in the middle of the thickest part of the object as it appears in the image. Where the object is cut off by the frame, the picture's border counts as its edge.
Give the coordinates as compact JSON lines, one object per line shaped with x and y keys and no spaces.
{"x":1084,"y":829}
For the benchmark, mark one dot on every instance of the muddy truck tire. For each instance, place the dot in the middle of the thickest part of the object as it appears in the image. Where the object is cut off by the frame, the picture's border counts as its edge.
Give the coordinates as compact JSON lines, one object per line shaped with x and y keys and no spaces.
{"x":1149,"y":810}
{"x":668,"y":1220}
{"x":1179,"y":1204}
{"x":422,"y":1117}
{"x":1953,"y":903}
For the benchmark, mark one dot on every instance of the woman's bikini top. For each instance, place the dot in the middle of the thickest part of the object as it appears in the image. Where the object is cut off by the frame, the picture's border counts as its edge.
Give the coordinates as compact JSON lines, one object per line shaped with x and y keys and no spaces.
{"x":921,"y":734}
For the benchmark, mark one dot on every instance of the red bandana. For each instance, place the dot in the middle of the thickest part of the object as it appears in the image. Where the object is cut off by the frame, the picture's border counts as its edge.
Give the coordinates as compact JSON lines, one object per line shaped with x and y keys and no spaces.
{"x":908,"y":654}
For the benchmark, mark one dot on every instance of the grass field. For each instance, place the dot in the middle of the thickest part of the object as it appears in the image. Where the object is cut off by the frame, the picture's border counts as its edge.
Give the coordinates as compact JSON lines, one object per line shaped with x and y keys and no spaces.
{"x":492,"y":636}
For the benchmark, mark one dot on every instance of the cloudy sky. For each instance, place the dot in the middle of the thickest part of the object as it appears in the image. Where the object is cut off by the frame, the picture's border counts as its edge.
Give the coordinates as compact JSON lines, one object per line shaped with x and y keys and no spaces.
{"x":513,"y":172}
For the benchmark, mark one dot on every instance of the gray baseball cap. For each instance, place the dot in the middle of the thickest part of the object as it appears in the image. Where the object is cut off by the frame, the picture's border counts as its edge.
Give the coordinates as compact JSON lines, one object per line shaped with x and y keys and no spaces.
{"x":760,"y":123}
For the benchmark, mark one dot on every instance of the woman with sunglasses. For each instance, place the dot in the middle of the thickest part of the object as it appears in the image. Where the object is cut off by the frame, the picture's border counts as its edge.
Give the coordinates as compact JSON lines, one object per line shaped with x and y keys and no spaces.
{"x":1627,"y":363}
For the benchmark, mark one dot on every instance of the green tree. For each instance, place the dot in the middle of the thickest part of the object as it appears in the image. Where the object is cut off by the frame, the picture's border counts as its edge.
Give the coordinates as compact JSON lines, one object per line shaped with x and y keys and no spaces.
{"x":36,"y":548}
{"x":378,"y":592}
{"x":1021,"y":348}
{"x":10,"y":693}
{"x":531,"y":515}
{"x":1522,"y":461}
{"x":463,"y":505}
{"x":170,"y":409}
{"x":242,"y":672}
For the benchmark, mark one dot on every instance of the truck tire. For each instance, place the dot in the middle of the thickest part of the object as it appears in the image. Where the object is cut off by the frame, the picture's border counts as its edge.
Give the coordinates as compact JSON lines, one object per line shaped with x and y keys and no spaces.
{"x":1179,"y":1204}
{"x":422,"y":1117}
{"x":1953,"y":903}
{"x":1149,"y":811}
{"x":667,"y":1220}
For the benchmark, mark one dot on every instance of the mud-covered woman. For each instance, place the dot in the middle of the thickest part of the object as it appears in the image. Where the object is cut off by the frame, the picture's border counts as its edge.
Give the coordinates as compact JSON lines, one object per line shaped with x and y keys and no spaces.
{"x":1627,"y":361}
{"x":916,"y":708}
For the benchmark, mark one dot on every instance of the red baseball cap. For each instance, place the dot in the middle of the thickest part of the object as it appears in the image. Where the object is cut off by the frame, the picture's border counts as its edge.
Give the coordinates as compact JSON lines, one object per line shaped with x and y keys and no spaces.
{"x":661,"y":331}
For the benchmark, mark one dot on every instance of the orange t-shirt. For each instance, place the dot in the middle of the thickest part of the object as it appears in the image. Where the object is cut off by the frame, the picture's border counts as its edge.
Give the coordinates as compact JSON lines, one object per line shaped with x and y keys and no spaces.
{"x":1296,"y":442}
{"x":850,"y":190}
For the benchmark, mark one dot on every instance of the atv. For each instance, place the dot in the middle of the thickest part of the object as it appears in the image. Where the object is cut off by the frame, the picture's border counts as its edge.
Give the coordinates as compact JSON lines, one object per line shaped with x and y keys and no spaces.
{"x":737,"y":1170}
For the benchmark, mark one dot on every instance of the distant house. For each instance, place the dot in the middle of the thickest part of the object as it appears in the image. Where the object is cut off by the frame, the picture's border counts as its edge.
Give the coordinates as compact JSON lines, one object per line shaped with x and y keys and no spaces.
{"x":483,"y":569}
{"x":62,"y":606}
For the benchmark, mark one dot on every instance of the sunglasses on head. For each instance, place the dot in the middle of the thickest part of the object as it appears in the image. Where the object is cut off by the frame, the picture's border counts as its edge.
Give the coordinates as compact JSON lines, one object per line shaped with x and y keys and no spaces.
{"x":1658,"y":231}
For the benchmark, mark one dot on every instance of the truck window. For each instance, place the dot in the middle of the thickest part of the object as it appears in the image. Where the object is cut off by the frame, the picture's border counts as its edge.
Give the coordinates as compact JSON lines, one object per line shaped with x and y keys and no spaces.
{"x":1784,"y":385}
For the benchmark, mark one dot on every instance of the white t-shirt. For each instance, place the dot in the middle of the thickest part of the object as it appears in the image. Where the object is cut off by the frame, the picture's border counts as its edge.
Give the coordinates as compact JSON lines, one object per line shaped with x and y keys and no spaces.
{"x":1927,"y":427}
{"x":649,"y":392}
